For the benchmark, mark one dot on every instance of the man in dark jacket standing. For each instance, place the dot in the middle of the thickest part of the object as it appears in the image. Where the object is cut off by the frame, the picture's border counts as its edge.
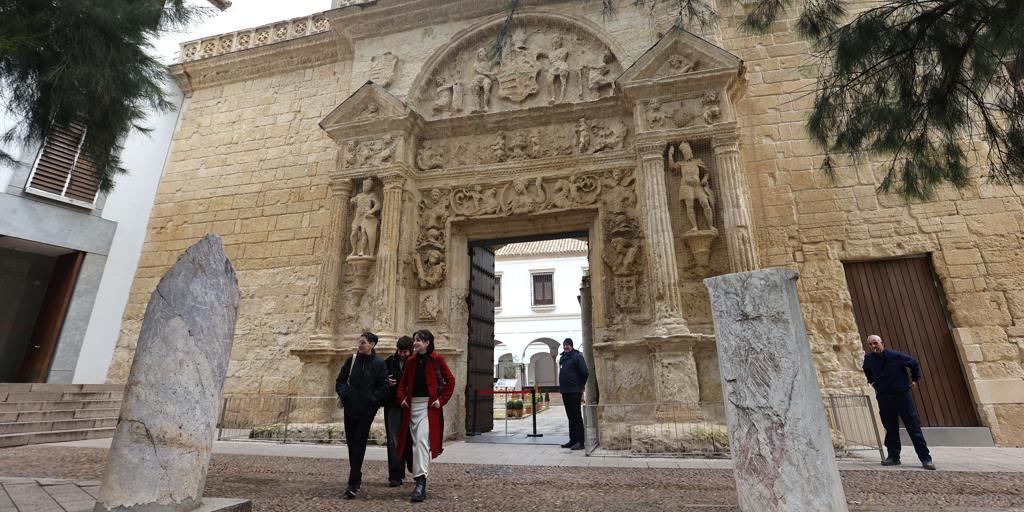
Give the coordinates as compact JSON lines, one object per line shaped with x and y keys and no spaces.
{"x":362,"y":386}
{"x":397,"y":463}
{"x":572,"y":378}
{"x":886,"y":370}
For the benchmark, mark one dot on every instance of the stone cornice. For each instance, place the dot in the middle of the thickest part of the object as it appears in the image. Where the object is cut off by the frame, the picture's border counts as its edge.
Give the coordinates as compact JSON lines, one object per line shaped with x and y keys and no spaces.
{"x":508,"y":120}
{"x":382,"y":17}
{"x":688,"y":134}
{"x":256,"y":62}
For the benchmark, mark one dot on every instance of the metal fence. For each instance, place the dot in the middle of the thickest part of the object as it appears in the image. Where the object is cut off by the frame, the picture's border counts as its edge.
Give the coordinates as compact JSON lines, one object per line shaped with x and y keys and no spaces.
{"x":287,"y":419}
{"x":699,"y":430}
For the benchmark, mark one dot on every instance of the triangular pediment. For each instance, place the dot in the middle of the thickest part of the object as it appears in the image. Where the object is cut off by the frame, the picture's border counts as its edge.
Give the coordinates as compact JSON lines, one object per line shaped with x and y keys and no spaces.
{"x":680,"y":54}
{"x":370,"y":104}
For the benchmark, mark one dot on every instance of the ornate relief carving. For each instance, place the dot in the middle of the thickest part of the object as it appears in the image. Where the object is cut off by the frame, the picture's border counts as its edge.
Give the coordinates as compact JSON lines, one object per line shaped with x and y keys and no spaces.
{"x":369,"y":153}
{"x":383,"y":68}
{"x":429,"y":261}
{"x":679,"y":64}
{"x":666,"y":112}
{"x":654,"y":115}
{"x":711,"y":110}
{"x":543,"y":62}
{"x":429,"y":304}
{"x":581,"y":138}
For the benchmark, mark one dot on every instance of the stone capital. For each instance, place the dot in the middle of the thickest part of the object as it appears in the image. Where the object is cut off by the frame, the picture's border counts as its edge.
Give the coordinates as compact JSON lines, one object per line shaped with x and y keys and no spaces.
{"x":393,"y":181}
{"x":725,"y":143}
{"x":650,"y":150}
{"x":341,"y":187}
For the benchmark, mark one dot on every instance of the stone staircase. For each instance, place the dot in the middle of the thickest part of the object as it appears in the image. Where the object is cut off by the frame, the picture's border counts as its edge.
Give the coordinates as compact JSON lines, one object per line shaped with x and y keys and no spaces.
{"x":50,"y":413}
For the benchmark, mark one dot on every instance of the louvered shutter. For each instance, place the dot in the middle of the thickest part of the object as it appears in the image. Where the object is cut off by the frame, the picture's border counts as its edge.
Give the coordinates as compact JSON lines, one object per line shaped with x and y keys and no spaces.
{"x":62,"y":172}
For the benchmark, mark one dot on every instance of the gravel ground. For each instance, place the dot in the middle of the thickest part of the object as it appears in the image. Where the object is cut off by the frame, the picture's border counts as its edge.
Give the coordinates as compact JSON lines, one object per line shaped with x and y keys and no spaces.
{"x":302,"y":484}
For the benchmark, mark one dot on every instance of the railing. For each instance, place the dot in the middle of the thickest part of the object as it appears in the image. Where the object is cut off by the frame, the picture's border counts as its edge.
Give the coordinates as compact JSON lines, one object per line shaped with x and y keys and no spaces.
{"x":852,"y":420}
{"x":287,"y":419}
{"x":254,"y":37}
{"x":699,"y":430}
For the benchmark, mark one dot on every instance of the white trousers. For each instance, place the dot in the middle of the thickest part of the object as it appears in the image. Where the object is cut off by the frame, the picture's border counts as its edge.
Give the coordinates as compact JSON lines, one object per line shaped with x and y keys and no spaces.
{"x":420,"y":435}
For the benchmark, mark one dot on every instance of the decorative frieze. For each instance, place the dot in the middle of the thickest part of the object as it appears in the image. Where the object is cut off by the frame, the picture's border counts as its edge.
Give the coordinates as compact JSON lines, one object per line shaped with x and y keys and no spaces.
{"x":254,"y":37}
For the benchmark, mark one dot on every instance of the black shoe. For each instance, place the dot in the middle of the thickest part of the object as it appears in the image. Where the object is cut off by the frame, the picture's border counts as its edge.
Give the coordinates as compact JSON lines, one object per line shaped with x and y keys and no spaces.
{"x":394,"y":483}
{"x":568,"y":445}
{"x":420,"y":492}
{"x":351,"y":492}
{"x":891,"y":462}
{"x":577,"y":446}
{"x":927,"y":464}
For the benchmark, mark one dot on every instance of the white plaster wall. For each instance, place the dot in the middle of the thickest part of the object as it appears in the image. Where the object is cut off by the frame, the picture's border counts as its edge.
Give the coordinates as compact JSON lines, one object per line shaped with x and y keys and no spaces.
{"x":129,"y":205}
{"x":518,"y":323}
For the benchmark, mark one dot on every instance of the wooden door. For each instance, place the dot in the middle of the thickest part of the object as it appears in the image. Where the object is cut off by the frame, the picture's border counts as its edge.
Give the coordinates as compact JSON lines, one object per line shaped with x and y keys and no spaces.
{"x":35,"y":367}
{"x":480,"y":357}
{"x":900,"y":300}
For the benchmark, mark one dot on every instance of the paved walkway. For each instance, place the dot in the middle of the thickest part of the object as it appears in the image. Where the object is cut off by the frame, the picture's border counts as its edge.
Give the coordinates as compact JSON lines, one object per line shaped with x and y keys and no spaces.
{"x":1010,"y":460}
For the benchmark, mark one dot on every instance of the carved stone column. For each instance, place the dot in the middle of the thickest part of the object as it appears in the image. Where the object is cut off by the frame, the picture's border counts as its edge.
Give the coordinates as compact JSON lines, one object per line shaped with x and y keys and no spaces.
{"x":330,"y":273}
{"x":734,"y":196}
{"x":387,"y":255}
{"x":657,"y":225}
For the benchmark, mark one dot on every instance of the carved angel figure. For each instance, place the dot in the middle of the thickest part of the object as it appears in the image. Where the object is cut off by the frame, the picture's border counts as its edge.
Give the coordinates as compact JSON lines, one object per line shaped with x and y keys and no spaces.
{"x":429,"y":268}
{"x":693,"y":185}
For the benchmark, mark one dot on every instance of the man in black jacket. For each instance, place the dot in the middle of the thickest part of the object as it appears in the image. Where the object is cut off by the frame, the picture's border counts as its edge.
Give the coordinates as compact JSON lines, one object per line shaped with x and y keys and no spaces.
{"x":886,"y":370}
{"x":362,"y":386}
{"x":572,"y":378}
{"x":397,"y":463}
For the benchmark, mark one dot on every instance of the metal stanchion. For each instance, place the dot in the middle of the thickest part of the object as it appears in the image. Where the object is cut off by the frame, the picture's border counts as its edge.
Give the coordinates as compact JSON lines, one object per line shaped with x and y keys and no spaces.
{"x":533,"y":401}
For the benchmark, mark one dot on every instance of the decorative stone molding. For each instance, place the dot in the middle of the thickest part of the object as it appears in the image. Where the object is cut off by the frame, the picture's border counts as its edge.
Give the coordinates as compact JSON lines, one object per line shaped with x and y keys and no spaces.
{"x":254,"y":37}
{"x":330,"y":271}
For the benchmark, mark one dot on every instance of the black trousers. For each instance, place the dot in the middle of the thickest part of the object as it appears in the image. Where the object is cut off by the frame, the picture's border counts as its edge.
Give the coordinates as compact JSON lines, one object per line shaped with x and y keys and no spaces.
{"x":573,"y":402}
{"x":357,"y":433}
{"x":894,"y":407}
{"x":397,"y":464}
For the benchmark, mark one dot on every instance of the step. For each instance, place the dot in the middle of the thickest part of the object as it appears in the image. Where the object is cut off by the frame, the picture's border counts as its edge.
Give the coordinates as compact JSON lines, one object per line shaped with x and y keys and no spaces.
{"x":54,"y":426}
{"x":93,"y":395}
{"x":8,"y":440}
{"x":56,"y":405}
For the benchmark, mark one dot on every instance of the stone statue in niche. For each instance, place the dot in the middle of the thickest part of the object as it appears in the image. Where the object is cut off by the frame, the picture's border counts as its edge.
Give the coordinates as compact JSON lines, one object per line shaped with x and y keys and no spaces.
{"x":598,"y":78}
{"x":382,"y":69}
{"x":520,"y":197}
{"x":711,"y":110}
{"x":483,"y":72}
{"x":517,"y":75}
{"x":558,"y":70}
{"x":694,"y":187}
{"x":429,"y":268}
{"x":654,"y":115}
{"x":364,"y":221}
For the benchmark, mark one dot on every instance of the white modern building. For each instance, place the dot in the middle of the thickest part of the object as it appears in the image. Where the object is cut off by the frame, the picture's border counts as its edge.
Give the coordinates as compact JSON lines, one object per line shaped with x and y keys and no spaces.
{"x":536,"y":307}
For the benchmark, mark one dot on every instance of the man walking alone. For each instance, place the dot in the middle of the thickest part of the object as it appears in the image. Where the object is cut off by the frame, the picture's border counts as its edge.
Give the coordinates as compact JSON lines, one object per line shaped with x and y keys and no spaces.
{"x":886,"y":370}
{"x":572,"y":378}
{"x":362,"y":386}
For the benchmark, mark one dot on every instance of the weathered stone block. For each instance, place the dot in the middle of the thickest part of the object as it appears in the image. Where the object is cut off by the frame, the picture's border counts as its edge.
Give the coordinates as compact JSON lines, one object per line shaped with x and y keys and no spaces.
{"x":779,"y":436}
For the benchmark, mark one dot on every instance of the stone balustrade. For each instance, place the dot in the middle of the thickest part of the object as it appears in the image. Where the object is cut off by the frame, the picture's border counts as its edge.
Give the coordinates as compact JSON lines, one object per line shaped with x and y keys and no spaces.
{"x":254,"y":37}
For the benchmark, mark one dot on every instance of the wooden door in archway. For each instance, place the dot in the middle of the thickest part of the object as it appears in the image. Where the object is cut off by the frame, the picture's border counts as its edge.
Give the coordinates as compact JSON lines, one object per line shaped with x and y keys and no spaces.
{"x":480,"y":357}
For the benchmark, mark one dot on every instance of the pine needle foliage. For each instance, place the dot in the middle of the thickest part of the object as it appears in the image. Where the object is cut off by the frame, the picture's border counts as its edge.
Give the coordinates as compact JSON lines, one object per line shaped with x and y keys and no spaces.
{"x":85,"y":61}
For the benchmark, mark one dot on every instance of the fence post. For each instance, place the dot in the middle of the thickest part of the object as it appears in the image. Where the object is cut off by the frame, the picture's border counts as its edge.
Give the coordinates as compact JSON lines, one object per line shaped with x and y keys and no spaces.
{"x":835,"y":414}
{"x":287,"y":413}
{"x":220,"y":424}
{"x":533,"y":402}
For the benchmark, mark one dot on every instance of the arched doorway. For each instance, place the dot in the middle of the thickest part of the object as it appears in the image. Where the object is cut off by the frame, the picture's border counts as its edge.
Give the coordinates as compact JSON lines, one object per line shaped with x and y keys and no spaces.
{"x":540,"y":353}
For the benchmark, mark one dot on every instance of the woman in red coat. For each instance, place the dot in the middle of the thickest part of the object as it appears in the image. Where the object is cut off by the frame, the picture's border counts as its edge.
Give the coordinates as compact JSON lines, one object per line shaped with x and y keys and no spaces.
{"x":423,"y":392}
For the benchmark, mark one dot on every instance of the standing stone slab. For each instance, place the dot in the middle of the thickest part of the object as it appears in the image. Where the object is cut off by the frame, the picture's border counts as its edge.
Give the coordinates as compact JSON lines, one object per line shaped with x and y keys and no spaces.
{"x":779,"y":437}
{"x":161,"y":449}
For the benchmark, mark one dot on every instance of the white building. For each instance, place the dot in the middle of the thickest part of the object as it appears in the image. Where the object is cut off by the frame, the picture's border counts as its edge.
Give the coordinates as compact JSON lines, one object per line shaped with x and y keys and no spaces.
{"x":536,"y":307}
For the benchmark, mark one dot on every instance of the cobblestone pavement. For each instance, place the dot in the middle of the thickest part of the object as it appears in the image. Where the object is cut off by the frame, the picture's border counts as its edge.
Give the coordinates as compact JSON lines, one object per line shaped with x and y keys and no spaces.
{"x":308,"y":484}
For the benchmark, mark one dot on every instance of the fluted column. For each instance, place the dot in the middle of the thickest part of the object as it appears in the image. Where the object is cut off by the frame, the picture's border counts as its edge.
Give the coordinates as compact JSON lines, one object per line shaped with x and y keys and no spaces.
{"x":387,"y":254}
{"x":657,"y":225}
{"x":330,"y":272}
{"x":734,"y":196}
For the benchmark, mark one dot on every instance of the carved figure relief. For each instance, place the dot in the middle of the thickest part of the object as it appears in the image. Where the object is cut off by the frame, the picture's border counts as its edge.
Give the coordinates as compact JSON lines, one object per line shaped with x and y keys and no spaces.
{"x":369,"y":153}
{"x":624,"y":257}
{"x":428,"y":260}
{"x":429,"y":268}
{"x":694,"y":185}
{"x":711,"y":110}
{"x":582,"y":138}
{"x":654,"y":115}
{"x":383,"y":68}
{"x":363,"y":235}
{"x":429,"y":305}
{"x":520,"y":196}
{"x":679,"y":64}
{"x":543,"y":62}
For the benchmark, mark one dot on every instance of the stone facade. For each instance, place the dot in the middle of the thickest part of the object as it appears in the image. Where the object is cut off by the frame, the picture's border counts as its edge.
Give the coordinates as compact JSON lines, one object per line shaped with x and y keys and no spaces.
{"x":347,"y":167}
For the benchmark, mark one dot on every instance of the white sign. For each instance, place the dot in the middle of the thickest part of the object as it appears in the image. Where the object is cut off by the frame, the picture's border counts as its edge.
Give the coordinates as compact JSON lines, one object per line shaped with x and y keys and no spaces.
{"x":507,"y":383}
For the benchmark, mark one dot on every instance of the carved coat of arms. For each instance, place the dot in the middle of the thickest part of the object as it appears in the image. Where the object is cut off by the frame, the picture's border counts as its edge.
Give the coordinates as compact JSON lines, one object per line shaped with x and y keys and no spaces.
{"x":517,"y":76}
{"x":382,"y":68}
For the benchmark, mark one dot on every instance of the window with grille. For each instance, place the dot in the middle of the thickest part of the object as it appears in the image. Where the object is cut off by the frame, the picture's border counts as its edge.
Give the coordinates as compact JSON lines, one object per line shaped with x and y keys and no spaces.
{"x":62,"y":172}
{"x":543,"y":290}
{"x":497,"y":291}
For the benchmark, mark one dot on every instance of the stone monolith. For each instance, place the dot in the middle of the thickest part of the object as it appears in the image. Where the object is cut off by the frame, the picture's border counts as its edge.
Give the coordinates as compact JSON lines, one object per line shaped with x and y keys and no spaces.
{"x":781,"y":447}
{"x":165,"y":432}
